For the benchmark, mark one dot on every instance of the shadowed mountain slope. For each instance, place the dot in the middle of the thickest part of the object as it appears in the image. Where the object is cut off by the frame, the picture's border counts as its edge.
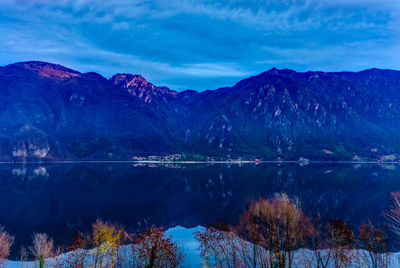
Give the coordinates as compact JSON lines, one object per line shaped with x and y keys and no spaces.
{"x":50,"y":112}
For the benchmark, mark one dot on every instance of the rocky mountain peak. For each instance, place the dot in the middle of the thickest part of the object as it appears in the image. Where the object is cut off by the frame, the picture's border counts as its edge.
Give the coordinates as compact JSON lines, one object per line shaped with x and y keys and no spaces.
{"x":138,"y":86}
{"x":130,"y":80}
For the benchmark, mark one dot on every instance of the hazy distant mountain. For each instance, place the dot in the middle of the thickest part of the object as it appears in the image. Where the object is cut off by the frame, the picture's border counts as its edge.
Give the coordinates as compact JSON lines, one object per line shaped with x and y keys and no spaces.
{"x":50,"y":112}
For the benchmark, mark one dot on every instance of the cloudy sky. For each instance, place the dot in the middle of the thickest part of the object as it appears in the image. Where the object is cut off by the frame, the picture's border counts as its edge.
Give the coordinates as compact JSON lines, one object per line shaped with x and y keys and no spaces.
{"x":201,"y":44}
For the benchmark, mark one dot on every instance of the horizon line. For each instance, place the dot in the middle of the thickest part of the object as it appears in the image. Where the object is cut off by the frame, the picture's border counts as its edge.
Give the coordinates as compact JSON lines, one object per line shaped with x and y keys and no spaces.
{"x":199,"y":91}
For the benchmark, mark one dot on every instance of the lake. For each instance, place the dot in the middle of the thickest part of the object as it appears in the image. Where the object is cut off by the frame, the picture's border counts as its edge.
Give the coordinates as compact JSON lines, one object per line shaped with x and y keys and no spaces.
{"x":60,"y":199}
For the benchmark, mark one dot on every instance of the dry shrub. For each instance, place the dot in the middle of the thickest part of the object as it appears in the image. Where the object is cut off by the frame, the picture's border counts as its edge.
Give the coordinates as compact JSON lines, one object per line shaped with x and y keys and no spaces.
{"x":42,"y":246}
{"x":340,"y":243}
{"x":321,"y":245}
{"x":154,"y":249}
{"x":24,"y":255}
{"x":393,"y":215}
{"x":79,"y":241}
{"x":375,"y":242}
{"x":6,"y":241}
{"x":279,"y":226}
{"x":393,"y":218}
{"x":78,"y":255}
{"x":306,"y":259}
{"x":333,"y":245}
{"x":269,"y":232}
{"x":219,"y":247}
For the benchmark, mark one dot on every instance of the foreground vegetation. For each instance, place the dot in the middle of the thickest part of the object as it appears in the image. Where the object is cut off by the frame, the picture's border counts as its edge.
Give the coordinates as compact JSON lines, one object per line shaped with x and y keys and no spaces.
{"x":275,"y":233}
{"x":272,"y":233}
{"x":111,"y":246}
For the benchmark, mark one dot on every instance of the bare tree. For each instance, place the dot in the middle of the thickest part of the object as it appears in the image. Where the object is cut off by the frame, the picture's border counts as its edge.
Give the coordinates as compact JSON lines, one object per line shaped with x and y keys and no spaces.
{"x":23,"y":254}
{"x":6,"y":241}
{"x":375,"y":242}
{"x":220,"y":247}
{"x":340,"y":243}
{"x":278,"y":225}
{"x":393,"y":215}
{"x":42,"y":247}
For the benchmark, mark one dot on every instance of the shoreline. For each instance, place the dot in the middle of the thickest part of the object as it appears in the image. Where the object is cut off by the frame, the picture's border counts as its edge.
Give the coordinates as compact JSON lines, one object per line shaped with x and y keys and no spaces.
{"x":204,"y":162}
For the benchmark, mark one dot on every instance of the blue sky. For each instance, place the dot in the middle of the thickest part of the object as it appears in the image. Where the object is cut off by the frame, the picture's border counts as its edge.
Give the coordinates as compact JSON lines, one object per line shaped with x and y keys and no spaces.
{"x":202,"y":44}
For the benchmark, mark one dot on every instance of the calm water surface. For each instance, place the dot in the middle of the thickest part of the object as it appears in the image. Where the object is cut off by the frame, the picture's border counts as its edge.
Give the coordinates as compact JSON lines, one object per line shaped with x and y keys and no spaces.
{"x":60,"y":199}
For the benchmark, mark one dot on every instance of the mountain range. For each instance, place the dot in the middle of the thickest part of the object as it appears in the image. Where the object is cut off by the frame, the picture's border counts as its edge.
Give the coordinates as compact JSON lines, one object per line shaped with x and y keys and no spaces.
{"x":49,"y":112}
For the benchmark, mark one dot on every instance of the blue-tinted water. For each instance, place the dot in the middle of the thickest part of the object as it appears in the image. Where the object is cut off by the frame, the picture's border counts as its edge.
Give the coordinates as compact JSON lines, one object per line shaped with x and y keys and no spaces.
{"x":60,"y":199}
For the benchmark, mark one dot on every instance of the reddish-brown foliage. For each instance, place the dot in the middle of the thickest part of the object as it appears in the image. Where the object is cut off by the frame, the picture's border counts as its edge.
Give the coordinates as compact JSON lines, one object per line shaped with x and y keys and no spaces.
{"x":339,"y":242}
{"x":375,"y":242}
{"x":278,"y":225}
{"x":79,"y":241}
{"x":154,"y":249}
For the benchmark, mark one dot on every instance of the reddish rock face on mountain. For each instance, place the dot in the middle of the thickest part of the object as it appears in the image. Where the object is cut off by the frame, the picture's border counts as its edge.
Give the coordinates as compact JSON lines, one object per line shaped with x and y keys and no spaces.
{"x":138,"y":86}
{"x":51,"y":112}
